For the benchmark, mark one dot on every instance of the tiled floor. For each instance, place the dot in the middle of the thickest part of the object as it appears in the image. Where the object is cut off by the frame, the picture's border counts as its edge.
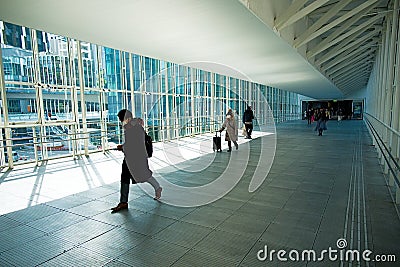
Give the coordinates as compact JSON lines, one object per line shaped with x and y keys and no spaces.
{"x":318,"y":190}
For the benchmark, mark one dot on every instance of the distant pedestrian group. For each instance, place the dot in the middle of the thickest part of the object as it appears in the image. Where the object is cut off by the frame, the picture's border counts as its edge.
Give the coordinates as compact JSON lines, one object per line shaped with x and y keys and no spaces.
{"x":231,"y":126}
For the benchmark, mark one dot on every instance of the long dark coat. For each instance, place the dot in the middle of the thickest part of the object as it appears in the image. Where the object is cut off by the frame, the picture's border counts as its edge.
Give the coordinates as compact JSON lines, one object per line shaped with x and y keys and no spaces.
{"x":135,"y":153}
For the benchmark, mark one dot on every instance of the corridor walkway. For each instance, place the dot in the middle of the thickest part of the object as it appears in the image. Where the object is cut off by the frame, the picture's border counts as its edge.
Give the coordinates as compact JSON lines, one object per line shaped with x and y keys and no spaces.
{"x":321,"y":193}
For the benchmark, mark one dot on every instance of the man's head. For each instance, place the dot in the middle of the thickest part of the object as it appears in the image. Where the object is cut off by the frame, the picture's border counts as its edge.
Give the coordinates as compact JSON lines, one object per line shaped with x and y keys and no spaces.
{"x":124,"y":114}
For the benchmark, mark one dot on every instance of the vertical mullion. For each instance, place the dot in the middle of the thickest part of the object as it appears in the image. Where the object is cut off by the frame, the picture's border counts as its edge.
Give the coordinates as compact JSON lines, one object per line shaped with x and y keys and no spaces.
{"x":101,"y":94}
{"x":83,"y":103}
{"x":74,"y":104}
{"x":39,"y":96}
{"x":5,"y":112}
{"x":132,"y":81}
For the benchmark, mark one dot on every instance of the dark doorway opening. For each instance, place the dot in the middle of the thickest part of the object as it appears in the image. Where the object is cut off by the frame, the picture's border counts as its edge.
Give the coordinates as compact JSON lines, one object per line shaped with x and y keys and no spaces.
{"x":346,"y":109}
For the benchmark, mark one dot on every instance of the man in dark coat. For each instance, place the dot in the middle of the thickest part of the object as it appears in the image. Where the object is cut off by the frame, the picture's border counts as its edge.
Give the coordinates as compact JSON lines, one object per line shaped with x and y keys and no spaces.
{"x":135,"y":166}
{"x":248,"y":117}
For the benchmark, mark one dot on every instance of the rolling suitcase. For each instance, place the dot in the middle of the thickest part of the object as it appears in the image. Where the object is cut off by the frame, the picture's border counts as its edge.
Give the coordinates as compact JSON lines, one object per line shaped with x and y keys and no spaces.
{"x":217,"y":142}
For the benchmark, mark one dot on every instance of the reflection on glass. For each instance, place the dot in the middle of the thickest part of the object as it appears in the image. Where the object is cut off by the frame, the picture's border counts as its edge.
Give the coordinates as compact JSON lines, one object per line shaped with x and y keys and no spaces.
{"x":70,"y":92}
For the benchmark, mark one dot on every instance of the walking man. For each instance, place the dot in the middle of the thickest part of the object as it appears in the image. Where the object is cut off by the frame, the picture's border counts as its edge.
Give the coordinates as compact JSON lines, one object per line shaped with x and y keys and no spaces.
{"x":248,"y":117}
{"x":135,"y":165}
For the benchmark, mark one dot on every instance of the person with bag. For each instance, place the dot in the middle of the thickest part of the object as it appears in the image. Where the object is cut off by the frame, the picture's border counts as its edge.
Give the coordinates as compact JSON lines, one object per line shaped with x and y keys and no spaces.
{"x":231,"y":130}
{"x":148,"y":141}
{"x":248,"y":117}
{"x":135,"y":165}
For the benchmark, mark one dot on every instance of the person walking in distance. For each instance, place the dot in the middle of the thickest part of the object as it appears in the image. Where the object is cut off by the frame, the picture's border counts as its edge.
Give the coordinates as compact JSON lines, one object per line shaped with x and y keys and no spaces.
{"x":135,"y":165}
{"x":309,"y":115}
{"x":248,"y":117}
{"x":321,"y":121}
{"x":231,"y":130}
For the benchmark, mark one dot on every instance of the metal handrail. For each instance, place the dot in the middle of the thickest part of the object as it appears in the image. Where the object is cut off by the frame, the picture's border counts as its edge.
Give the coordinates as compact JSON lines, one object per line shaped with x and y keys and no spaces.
{"x":384,"y":124}
{"x":377,"y":137}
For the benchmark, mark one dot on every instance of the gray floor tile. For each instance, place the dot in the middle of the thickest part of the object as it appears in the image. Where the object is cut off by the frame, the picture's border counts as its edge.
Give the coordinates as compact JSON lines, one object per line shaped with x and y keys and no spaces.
{"x":307,"y":221}
{"x":244,"y":225}
{"x":115,"y":242}
{"x":17,"y":236}
{"x":36,"y":251}
{"x":116,"y":263}
{"x":302,"y":204}
{"x":232,"y":247}
{"x":143,"y":203}
{"x":290,"y":236}
{"x":153,"y":252}
{"x":263,"y":212}
{"x":207,"y":216}
{"x":147,"y":224}
{"x":32,"y":213}
{"x":183,"y":234}
{"x":68,"y":202}
{"x":200,"y":259}
{"x":7,"y":223}
{"x":77,"y":256}
{"x":90,"y":209}
{"x":83,"y":231}
{"x":171,"y":211}
{"x":118,"y":218}
{"x":227,"y":203}
{"x":56,"y":221}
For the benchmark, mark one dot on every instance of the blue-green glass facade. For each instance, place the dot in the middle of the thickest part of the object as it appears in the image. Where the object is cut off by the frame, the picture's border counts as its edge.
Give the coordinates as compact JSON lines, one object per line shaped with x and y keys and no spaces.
{"x":79,"y":87}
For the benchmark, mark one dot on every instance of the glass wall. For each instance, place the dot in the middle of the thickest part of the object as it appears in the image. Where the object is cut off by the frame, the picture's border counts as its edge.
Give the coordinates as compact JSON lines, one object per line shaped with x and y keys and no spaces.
{"x":60,"y":96}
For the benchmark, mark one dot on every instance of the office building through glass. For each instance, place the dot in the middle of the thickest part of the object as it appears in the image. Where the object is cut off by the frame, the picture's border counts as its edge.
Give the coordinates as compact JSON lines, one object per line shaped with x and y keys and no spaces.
{"x":60,"y":96}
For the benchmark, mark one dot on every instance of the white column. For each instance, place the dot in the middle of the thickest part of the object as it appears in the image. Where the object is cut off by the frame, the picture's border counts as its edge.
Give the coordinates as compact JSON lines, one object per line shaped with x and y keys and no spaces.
{"x":396,"y":99}
{"x":39,"y":95}
{"x":5,"y":112}
{"x":83,"y":103}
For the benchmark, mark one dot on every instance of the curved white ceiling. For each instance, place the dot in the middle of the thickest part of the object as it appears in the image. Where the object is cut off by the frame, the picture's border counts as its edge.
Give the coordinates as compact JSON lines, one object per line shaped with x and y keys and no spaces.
{"x":194,"y":32}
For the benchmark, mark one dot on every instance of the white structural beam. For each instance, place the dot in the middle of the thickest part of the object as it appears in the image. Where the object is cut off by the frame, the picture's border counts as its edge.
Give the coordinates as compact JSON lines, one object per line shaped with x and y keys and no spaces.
{"x":361,"y":77}
{"x":353,"y":72}
{"x":355,"y":83}
{"x":351,"y":66}
{"x":345,"y":56}
{"x":302,"y":39}
{"x":359,"y":81}
{"x":353,"y":33}
{"x":348,"y":44}
{"x":396,"y":96}
{"x":343,"y":71}
{"x":349,"y":80}
{"x":336,"y":22}
{"x":282,"y":20}
{"x":338,"y":32}
{"x":358,"y":58}
{"x":391,"y":75}
{"x":295,"y":16}
{"x":362,"y":67}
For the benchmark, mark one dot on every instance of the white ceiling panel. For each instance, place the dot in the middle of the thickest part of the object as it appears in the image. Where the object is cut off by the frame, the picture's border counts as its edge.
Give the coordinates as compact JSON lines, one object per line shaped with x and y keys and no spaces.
{"x":207,"y":34}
